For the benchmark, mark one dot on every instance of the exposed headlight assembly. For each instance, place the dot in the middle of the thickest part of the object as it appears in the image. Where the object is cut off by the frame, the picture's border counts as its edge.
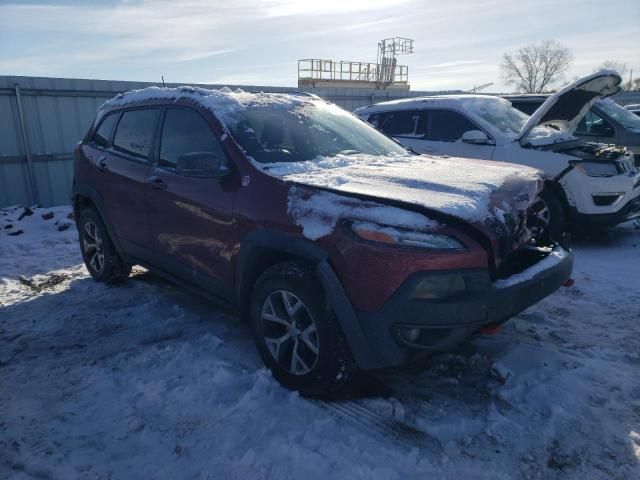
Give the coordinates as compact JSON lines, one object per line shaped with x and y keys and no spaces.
{"x":596,"y":169}
{"x":404,"y":237}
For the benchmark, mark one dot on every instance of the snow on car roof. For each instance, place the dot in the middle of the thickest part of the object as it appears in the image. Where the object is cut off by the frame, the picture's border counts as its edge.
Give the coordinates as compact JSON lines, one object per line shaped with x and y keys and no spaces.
{"x":431,"y":101}
{"x":223,"y":102}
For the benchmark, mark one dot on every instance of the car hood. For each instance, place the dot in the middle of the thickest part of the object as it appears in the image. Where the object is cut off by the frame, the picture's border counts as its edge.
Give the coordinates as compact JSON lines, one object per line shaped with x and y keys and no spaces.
{"x":563,"y":110}
{"x":492,"y":196}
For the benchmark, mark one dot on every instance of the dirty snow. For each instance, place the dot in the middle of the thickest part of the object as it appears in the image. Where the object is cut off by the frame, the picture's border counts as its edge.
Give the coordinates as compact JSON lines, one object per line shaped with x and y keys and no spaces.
{"x":147,"y":381}
{"x":453,"y":186}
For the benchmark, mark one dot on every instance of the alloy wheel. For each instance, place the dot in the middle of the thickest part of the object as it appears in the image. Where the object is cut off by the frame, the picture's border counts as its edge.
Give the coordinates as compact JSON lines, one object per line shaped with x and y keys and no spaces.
{"x":93,"y":246}
{"x":290,"y":332}
{"x":539,"y":217}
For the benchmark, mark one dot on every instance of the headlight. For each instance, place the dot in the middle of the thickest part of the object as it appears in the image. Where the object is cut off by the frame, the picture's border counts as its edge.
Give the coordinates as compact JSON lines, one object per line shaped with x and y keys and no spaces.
{"x":403,"y":237}
{"x":596,"y":169}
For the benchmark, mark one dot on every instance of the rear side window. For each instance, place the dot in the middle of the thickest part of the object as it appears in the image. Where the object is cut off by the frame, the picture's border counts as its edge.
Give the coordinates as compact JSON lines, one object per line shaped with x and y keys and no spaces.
{"x":134,"y":133}
{"x":103,"y":133}
{"x":409,"y":123}
{"x":448,"y":125}
{"x":186,"y":131}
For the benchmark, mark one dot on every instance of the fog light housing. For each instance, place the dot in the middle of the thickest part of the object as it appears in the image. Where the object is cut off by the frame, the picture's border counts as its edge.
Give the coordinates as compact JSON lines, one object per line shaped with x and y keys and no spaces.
{"x":606,"y":199}
{"x":409,"y":334}
{"x":437,"y":287}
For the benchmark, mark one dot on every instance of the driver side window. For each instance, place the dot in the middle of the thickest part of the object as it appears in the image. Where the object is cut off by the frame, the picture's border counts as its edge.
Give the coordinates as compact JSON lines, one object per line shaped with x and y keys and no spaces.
{"x":186,"y":132}
{"x":594,"y":125}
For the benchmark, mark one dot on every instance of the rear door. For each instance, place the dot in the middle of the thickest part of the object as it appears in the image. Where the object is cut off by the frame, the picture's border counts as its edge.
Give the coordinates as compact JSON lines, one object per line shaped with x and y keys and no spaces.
{"x":444,"y":135}
{"x":122,"y":167}
{"x":191,"y":218}
{"x":407,"y":126}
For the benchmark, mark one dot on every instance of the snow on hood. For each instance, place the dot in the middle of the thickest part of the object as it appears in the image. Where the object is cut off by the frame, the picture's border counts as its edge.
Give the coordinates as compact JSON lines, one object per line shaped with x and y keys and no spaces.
{"x":562,"y":111}
{"x":471,"y":190}
{"x":223,"y":102}
{"x":319,"y":213}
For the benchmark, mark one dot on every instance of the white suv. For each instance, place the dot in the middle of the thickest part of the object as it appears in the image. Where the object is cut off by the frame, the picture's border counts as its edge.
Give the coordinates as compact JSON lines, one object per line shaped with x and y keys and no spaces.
{"x":589,"y":184}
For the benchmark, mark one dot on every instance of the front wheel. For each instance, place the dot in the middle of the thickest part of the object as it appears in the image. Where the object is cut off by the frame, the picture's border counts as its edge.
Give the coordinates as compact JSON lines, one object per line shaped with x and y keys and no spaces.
{"x":554,"y":213}
{"x":297,"y":334}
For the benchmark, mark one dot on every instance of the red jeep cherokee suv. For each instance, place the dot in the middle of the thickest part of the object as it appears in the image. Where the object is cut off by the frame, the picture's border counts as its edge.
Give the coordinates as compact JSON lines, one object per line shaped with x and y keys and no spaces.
{"x":344,"y":250}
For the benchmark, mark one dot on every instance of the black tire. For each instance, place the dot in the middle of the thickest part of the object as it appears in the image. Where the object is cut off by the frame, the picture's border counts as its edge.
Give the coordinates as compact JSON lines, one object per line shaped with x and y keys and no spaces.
{"x":330,"y":374}
{"x":99,"y":255}
{"x":558,"y":224}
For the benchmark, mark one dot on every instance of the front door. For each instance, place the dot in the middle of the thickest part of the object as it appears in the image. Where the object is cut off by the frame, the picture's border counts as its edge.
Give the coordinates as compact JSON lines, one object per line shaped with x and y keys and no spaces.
{"x":444,"y":136}
{"x":191,"y":218}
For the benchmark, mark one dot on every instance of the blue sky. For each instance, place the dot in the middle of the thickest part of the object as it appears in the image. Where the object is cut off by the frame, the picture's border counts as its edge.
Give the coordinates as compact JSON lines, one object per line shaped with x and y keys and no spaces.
{"x":458,"y":44}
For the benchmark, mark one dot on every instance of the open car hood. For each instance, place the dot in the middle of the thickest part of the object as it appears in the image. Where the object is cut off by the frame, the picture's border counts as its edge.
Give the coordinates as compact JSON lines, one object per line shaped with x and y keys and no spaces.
{"x":563,"y":110}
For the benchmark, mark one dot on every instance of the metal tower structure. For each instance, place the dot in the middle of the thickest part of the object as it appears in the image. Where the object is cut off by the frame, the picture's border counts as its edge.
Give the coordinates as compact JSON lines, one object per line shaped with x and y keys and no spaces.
{"x":387,"y":51}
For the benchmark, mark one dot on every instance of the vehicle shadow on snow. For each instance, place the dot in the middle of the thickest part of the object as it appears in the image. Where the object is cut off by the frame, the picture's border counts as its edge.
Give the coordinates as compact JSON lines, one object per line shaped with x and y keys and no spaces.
{"x":142,"y":312}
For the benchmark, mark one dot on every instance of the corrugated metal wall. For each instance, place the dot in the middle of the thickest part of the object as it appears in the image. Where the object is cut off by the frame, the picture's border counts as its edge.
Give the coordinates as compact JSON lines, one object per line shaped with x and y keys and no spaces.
{"x":58,"y":111}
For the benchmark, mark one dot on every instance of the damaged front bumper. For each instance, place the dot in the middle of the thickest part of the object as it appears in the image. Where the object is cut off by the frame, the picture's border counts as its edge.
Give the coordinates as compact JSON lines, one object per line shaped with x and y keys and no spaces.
{"x":409,"y":325}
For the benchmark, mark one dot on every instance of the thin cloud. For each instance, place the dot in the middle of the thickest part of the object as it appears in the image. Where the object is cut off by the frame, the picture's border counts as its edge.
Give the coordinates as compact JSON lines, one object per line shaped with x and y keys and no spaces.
{"x":450,"y":64}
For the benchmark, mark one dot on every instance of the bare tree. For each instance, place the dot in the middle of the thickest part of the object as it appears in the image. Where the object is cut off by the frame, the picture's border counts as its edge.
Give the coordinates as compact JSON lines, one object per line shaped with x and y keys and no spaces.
{"x":534,"y":68}
{"x":614,"y":65}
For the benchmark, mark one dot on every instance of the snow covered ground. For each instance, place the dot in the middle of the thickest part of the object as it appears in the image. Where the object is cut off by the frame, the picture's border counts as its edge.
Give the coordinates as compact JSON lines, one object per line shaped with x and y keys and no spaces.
{"x":147,"y":381}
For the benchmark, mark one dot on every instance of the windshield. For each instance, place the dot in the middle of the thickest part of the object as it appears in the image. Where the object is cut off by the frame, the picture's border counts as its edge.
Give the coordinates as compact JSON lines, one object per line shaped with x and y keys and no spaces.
{"x":499,"y":113}
{"x":624,"y":117}
{"x":305,"y":131}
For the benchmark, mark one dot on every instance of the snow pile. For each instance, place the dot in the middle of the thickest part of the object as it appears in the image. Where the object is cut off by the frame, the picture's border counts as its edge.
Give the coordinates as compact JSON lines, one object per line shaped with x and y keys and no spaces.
{"x":459,"y":187}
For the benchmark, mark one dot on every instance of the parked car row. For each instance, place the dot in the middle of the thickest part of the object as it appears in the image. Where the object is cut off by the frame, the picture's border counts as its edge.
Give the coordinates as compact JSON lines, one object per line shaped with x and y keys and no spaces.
{"x":344,"y":250}
{"x":589,"y":184}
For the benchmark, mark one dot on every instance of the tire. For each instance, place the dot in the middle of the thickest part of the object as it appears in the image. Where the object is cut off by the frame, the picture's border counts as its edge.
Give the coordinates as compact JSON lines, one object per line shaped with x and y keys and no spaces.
{"x":289,"y":305}
{"x":558,"y":224}
{"x":99,"y":255}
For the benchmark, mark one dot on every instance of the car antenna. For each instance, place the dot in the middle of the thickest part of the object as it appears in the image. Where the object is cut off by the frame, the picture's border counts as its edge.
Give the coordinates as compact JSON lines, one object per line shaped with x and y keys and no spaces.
{"x":163,"y":85}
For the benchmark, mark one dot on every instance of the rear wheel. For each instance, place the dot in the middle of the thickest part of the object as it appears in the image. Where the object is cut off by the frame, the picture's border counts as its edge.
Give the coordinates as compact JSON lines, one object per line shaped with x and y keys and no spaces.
{"x":100,"y":256}
{"x":297,"y":334}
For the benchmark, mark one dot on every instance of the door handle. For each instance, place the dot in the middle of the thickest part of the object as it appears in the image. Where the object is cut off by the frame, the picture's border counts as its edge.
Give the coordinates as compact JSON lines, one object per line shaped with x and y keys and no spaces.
{"x":157,"y":183}
{"x":101,"y":164}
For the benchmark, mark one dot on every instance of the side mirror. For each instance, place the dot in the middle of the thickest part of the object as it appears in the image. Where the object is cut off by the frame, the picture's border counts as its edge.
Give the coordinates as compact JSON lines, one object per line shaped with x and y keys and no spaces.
{"x":476,"y":137}
{"x":202,"y":165}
